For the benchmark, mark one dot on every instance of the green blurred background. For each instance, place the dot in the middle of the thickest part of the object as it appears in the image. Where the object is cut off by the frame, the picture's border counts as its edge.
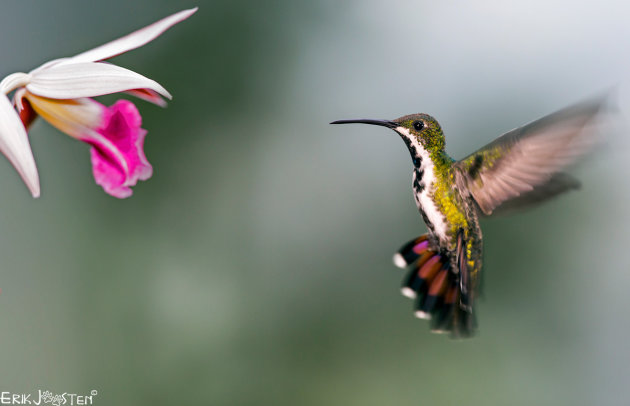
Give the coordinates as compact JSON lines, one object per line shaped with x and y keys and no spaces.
{"x":254,"y":268}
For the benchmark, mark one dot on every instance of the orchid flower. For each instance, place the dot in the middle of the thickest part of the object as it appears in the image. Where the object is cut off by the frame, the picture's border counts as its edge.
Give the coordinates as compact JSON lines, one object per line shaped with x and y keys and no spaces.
{"x":60,"y":92}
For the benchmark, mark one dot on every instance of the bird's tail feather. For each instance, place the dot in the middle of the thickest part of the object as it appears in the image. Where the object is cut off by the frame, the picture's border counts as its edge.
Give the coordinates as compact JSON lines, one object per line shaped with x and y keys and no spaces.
{"x":434,"y":287}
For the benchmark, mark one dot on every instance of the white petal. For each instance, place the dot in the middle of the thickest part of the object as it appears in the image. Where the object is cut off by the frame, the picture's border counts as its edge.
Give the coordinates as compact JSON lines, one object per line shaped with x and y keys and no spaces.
{"x":15,"y":146}
{"x":131,"y":41}
{"x":13,"y":81}
{"x":49,"y":64}
{"x":88,"y":79}
{"x":147,"y":95}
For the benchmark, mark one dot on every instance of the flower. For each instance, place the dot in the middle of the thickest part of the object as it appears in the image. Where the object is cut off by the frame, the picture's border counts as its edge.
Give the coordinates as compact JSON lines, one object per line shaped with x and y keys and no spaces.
{"x":60,"y":92}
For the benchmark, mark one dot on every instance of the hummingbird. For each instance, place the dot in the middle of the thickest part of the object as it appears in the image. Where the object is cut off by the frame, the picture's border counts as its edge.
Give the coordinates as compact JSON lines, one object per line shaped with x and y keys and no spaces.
{"x":521,"y":168}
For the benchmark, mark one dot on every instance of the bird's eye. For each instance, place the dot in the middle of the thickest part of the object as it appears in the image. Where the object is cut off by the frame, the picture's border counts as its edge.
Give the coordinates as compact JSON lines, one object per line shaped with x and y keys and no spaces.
{"x":418,"y":125}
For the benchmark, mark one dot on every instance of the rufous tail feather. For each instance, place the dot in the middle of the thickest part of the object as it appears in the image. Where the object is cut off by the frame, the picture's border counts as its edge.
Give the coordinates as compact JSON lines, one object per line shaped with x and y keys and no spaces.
{"x":434,"y":287}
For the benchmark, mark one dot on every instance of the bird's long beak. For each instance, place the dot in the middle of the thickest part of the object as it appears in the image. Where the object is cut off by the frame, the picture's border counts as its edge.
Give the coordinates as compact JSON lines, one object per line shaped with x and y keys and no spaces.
{"x":384,"y":123}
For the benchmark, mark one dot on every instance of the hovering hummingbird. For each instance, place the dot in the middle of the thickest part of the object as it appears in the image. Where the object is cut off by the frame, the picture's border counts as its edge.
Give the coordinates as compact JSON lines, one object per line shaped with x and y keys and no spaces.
{"x":520,"y":168}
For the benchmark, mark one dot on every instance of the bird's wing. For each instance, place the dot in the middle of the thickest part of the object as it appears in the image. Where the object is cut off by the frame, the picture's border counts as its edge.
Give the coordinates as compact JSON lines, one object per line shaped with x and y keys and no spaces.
{"x":523,"y":165}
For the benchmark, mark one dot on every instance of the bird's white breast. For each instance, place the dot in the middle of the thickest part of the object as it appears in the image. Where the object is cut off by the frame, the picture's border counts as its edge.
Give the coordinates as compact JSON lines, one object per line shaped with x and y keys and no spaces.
{"x":424,"y":199}
{"x":425,"y":202}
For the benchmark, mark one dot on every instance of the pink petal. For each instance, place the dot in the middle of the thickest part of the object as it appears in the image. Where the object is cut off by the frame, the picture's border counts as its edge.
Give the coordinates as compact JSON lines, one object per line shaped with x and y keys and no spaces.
{"x":118,"y":160}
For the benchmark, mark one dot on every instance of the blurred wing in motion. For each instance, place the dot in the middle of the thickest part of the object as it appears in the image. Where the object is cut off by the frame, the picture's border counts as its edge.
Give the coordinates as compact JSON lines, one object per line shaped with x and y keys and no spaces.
{"x":522,"y":167}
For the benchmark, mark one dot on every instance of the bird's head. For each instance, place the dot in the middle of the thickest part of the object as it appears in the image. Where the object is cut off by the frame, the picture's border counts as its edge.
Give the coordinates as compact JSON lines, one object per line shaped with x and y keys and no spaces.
{"x":421,"y":132}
